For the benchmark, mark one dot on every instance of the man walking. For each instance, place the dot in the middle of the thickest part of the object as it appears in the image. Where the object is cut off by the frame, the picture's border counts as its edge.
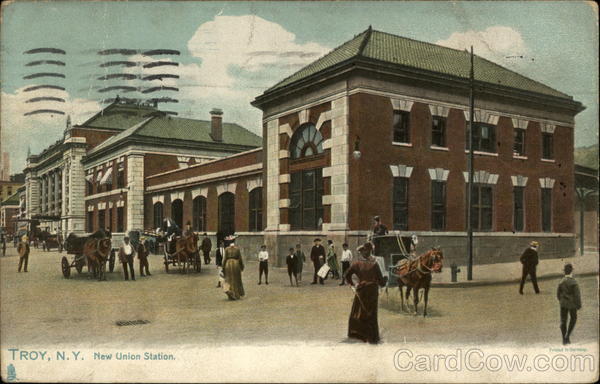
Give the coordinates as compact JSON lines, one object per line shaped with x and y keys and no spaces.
{"x":569,"y":297}
{"x":206,"y":247}
{"x":23,"y":251}
{"x":317,"y":256}
{"x":126,"y":258}
{"x":346,"y":260}
{"x":291,"y":260}
{"x":142,"y":252}
{"x":263,"y":264}
{"x":220,"y":254}
{"x":299,"y":262}
{"x":529,"y":259}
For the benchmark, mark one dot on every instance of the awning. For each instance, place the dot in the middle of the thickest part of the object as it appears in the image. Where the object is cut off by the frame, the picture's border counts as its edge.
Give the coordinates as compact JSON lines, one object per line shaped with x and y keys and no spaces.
{"x":89,"y":177}
{"x":99,"y":176}
{"x":107,"y":179}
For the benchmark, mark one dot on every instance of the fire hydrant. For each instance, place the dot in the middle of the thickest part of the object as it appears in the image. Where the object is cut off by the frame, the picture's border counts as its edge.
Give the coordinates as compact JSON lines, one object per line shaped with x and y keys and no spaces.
{"x":454,"y":270}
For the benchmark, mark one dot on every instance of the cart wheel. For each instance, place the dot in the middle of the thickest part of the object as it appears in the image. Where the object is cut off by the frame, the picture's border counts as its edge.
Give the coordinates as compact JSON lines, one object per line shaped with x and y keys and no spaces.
{"x":111,"y":261}
{"x":66,"y":269}
{"x":79,"y":265}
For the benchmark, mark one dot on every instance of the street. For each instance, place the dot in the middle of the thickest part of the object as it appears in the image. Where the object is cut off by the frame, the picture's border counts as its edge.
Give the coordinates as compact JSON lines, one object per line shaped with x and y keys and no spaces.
{"x":40,"y":307}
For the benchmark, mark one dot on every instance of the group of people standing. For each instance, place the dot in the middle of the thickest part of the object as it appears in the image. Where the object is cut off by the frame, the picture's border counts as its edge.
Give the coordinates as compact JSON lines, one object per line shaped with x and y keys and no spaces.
{"x":127,"y":252}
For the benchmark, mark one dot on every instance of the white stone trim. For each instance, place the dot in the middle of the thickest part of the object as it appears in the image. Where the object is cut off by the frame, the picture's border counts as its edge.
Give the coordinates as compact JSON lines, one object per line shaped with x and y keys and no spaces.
{"x":110,"y":205}
{"x":483,"y":116}
{"x":547,"y":127}
{"x":453,"y":105}
{"x":519,"y":181}
{"x":183,"y":161}
{"x":101,"y":206}
{"x":326,"y":199}
{"x":438,"y":174}
{"x":256,"y":182}
{"x":284,"y":179}
{"x":120,"y":204}
{"x":482,"y":177}
{"x":401,"y":170}
{"x":284,"y":203}
{"x":401,"y":104}
{"x":285,"y":128}
{"x":303,"y":116}
{"x":107,"y":193}
{"x":520,"y":123}
{"x":90,"y":208}
{"x":158,"y":199}
{"x":323,"y":117}
{"x":199,"y":191}
{"x":439,"y":110}
{"x":327,"y":172}
{"x":285,"y":227}
{"x":284,"y":154}
{"x":179,"y":195}
{"x":546,"y":182}
{"x":327,"y":144}
{"x":226,"y":187}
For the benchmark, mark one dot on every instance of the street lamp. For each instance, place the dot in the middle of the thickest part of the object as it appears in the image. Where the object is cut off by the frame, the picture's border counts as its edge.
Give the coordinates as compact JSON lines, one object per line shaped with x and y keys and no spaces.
{"x":356,"y":154}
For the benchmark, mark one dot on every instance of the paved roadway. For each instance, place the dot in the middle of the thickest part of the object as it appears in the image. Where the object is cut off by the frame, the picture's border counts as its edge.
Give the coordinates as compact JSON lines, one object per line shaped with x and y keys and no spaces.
{"x":42,"y":308}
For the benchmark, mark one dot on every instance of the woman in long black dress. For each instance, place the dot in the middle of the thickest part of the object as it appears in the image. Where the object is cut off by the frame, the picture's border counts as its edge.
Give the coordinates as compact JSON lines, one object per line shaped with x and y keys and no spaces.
{"x":363,"y":317}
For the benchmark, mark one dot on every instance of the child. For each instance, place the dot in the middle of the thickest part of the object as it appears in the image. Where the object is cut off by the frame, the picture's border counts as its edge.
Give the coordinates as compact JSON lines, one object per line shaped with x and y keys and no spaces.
{"x":292,"y":260}
{"x":263,"y":264}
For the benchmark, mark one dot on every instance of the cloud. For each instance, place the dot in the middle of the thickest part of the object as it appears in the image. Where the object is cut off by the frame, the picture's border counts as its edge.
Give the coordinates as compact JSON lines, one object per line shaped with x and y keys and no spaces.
{"x":498,"y":43}
{"x":20,"y":132}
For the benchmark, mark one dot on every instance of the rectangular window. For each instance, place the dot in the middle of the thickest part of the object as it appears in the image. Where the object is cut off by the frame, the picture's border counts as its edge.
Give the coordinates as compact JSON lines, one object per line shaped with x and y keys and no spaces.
{"x":400,"y":202}
{"x":110,"y":219}
{"x":519,"y":208}
{"x":90,"y":187}
{"x":547,"y":146}
{"x":438,"y":205}
{"x":438,"y":131}
{"x":546,"y":209}
{"x":306,"y":199}
{"x":101,"y":218}
{"x":484,"y":137}
{"x":519,"y":142}
{"x":120,"y":220}
{"x":401,"y":127}
{"x":482,"y":217}
{"x":90,"y":221}
{"x":121,"y":175}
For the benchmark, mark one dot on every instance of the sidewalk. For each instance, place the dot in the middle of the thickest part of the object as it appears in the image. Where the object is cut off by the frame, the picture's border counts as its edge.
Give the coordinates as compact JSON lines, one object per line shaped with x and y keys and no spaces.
{"x":510,"y":273}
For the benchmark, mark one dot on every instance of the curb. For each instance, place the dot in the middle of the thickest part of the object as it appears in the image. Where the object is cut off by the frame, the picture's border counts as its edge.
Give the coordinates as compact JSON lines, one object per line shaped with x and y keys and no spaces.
{"x":482,"y":283}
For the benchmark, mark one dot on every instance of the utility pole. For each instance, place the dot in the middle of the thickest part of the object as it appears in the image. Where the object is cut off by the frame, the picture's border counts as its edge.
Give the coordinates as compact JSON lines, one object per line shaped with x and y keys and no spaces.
{"x":470,"y":163}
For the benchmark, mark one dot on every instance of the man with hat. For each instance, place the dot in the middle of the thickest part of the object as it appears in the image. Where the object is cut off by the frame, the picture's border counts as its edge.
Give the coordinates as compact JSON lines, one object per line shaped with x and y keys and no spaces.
{"x":317,"y":256}
{"x":23,"y":250}
{"x":529,"y":259}
{"x":569,"y":297}
{"x":126,"y":256}
{"x":206,"y":247}
{"x":379,"y":229}
{"x":142,"y":252}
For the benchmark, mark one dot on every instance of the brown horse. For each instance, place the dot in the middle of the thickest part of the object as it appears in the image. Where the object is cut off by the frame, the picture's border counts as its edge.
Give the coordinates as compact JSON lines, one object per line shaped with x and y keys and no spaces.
{"x":416,"y":274}
{"x":96,"y":251}
{"x":185,"y":249}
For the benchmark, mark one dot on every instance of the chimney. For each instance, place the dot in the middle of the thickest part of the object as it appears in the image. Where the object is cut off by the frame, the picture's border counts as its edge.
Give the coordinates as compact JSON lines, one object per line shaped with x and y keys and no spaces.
{"x":216,"y":124}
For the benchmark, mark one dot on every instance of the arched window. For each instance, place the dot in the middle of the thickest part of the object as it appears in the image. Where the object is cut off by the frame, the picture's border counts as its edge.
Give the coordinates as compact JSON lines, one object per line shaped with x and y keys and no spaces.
{"x":199,"y":214}
{"x":177,"y":212}
{"x":227,"y":213}
{"x":255,"y":209}
{"x":306,"y":142}
{"x":158,"y":215}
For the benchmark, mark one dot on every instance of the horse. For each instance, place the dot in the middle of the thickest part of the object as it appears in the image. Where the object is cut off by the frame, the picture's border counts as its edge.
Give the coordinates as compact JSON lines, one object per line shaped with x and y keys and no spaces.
{"x":185,"y":249}
{"x":97,"y":251}
{"x":416,"y":274}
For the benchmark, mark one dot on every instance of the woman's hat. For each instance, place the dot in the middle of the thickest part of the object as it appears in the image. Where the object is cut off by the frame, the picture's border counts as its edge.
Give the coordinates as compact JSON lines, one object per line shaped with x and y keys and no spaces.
{"x":317,"y":239}
{"x":534,"y":244}
{"x":230,"y":238}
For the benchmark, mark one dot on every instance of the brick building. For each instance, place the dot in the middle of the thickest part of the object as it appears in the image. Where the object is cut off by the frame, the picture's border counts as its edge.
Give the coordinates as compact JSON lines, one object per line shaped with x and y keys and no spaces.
{"x":9,"y":210}
{"x":403,"y":105}
{"x":94,"y":177}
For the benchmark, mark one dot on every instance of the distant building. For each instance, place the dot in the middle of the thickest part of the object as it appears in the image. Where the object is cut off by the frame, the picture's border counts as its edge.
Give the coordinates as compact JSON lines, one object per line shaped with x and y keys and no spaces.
{"x":5,"y":167}
{"x":8,"y":188}
{"x":9,"y":210}
{"x":94,"y":177}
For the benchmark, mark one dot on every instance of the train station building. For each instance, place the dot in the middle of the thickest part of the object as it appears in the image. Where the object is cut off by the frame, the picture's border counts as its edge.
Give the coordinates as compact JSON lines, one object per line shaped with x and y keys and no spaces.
{"x":378,"y":126}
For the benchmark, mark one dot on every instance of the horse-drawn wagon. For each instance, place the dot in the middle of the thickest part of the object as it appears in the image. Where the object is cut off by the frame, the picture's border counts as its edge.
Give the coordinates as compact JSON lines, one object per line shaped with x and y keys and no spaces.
{"x":88,"y":250}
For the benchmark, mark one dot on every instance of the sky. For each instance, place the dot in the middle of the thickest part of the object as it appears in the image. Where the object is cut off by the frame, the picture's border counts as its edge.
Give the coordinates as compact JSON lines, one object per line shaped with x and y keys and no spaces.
{"x":231,"y":52}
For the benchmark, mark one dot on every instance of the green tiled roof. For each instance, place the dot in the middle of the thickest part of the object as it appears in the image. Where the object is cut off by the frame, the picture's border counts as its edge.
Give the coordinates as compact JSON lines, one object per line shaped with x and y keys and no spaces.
{"x":120,"y":116}
{"x":178,"y":128}
{"x":11,"y":200}
{"x":393,"y":49}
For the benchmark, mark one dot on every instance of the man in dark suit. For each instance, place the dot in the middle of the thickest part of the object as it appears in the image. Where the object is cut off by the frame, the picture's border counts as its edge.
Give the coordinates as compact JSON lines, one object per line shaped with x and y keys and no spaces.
{"x":206,"y":248}
{"x":220,"y":254}
{"x":529,"y":259}
{"x":317,"y":256}
{"x":379,"y":229}
{"x":569,"y":297}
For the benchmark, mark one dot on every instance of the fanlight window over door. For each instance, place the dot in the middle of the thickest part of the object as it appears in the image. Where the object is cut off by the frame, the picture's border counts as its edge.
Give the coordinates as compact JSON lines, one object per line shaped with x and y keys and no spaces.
{"x":306,"y":142}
